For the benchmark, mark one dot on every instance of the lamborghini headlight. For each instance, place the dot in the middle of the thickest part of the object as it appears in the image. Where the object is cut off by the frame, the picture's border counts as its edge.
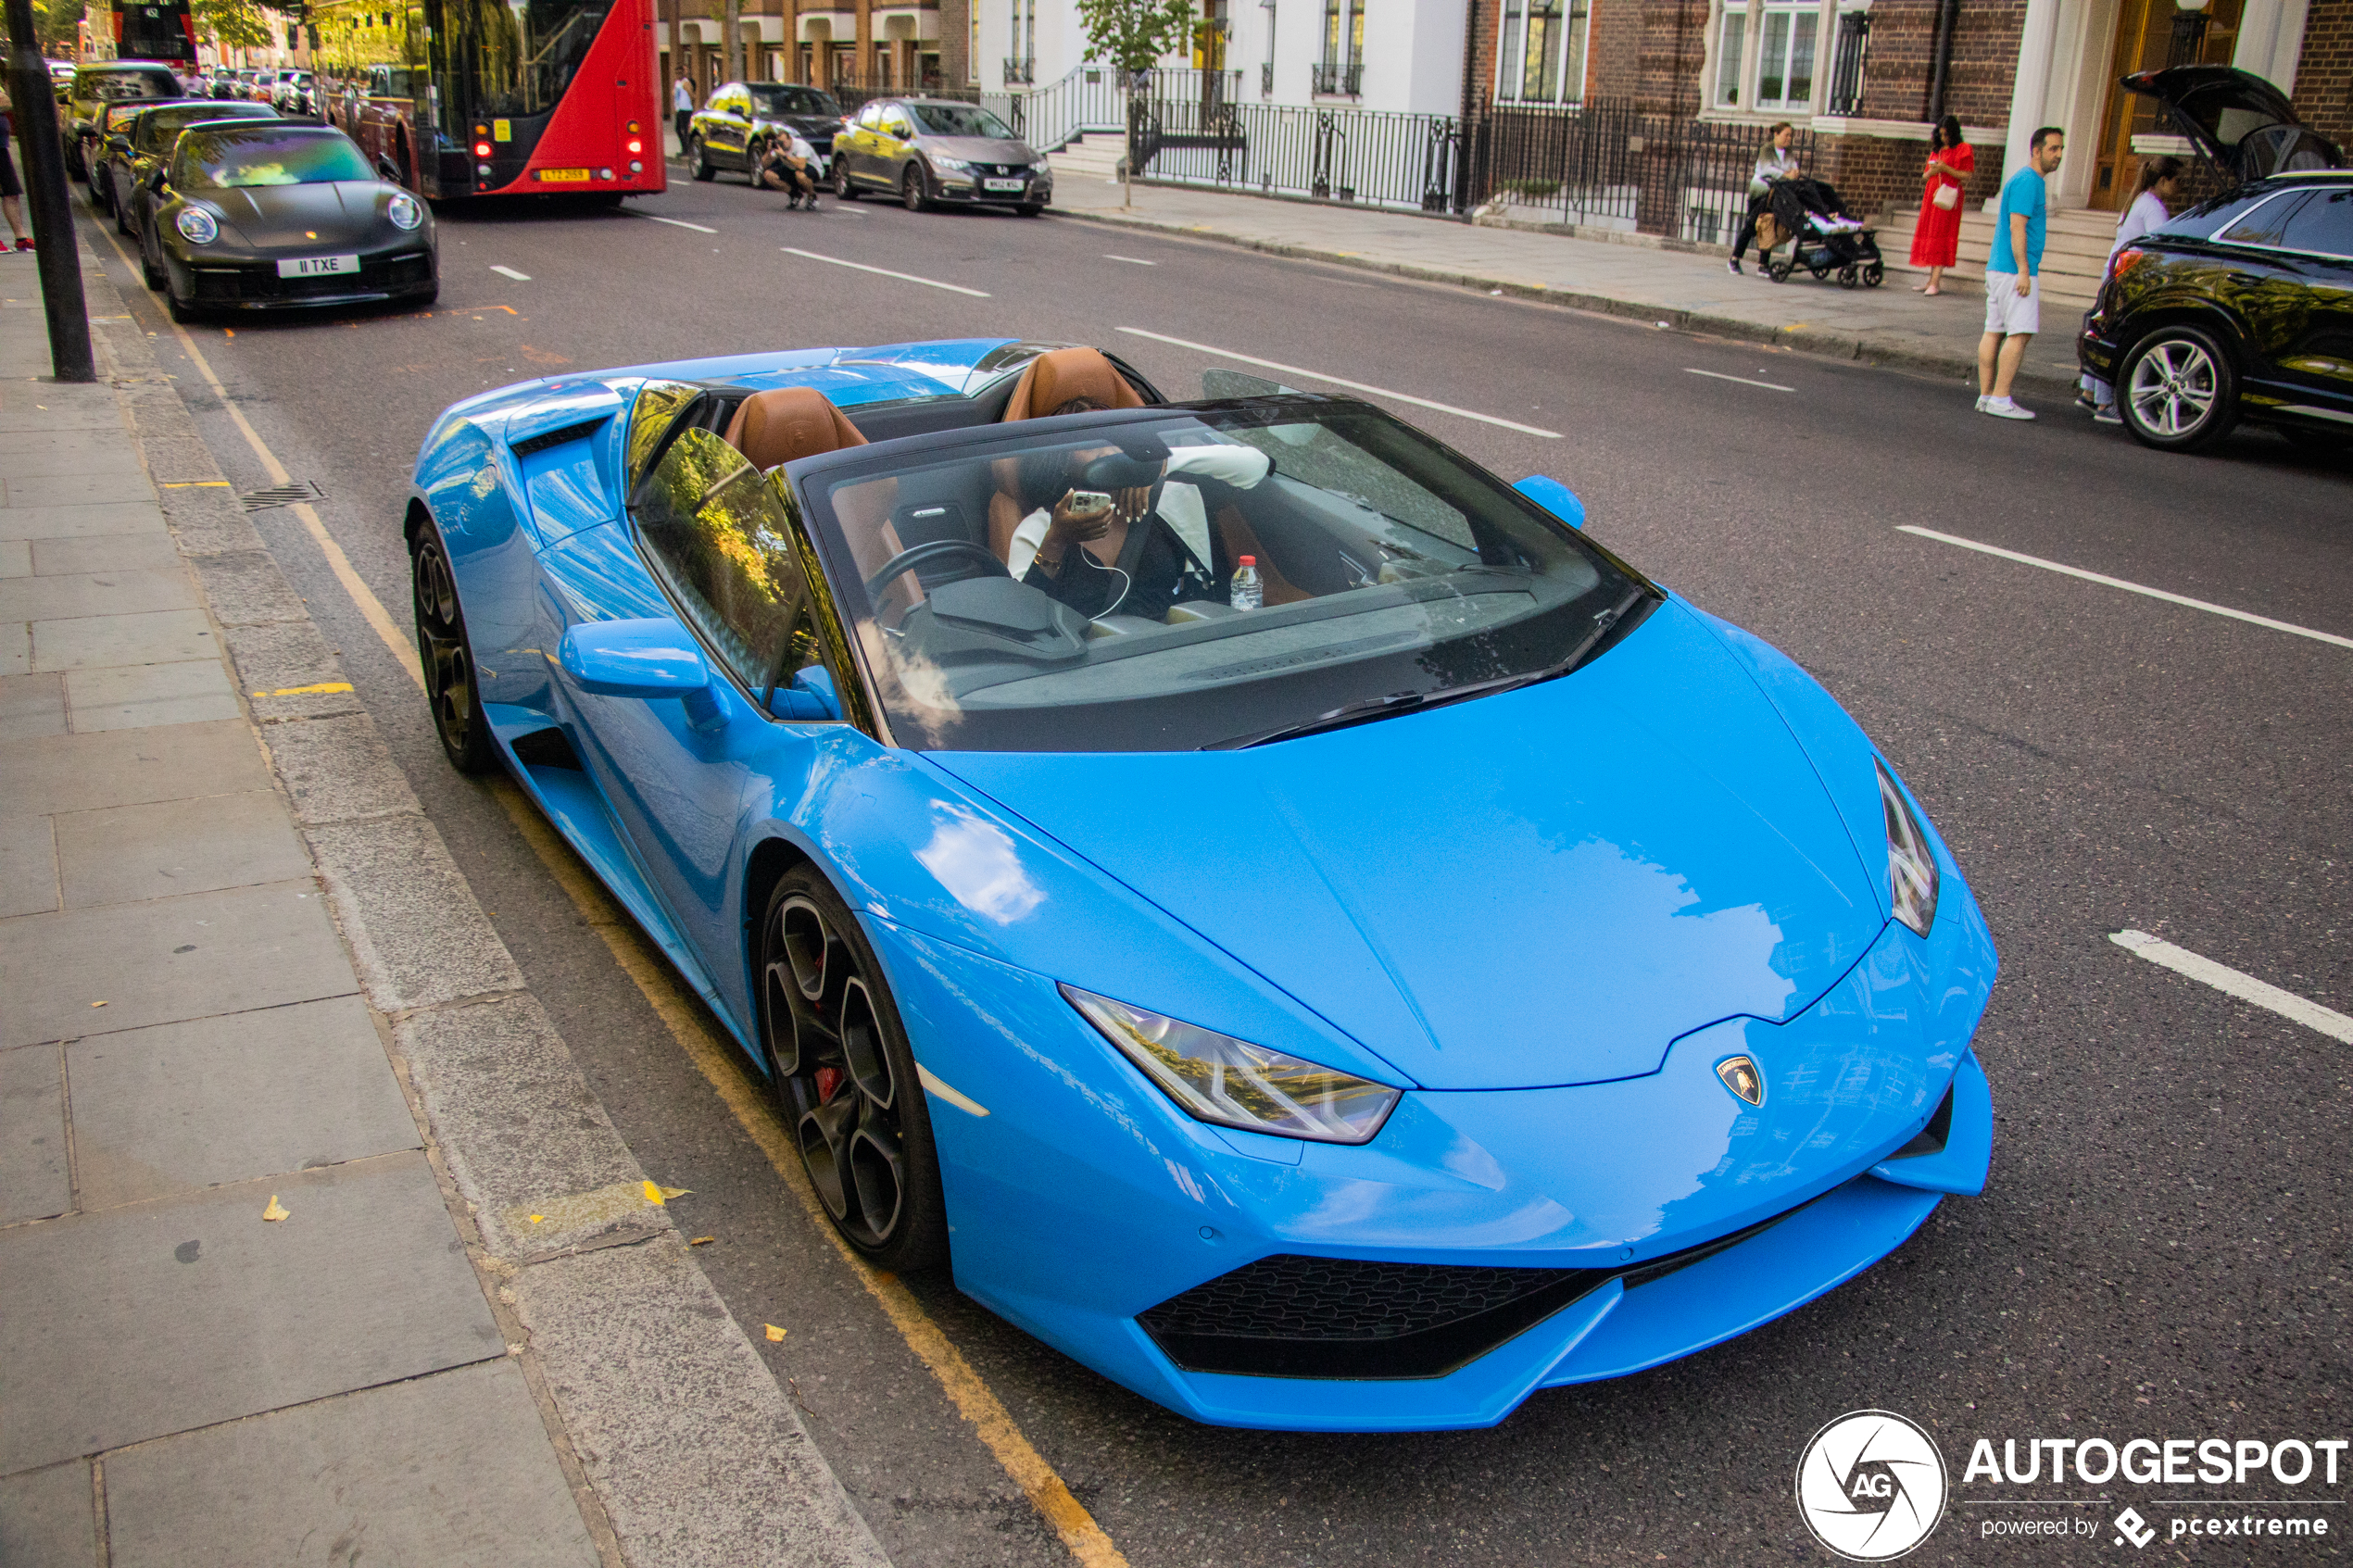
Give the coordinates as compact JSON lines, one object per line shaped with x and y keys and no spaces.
{"x":1911,"y":865}
{"x":404,"y":212}
{"x":199,"y":225}
{"x":1231,"y":1083}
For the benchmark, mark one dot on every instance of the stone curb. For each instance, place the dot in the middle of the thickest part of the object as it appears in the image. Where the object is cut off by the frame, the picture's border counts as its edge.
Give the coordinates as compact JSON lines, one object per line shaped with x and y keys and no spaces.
{"x":509,"y":1123}
{"x":1854,"y":347}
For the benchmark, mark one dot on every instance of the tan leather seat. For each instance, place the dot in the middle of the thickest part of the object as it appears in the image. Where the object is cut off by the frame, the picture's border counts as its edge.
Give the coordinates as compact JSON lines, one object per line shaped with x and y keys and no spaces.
{"x":1060,"y":375}
{"x":789,"y":424}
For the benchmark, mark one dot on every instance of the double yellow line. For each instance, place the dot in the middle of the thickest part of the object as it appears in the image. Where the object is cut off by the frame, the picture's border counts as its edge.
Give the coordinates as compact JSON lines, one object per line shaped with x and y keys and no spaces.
{"x":715,"y":1058}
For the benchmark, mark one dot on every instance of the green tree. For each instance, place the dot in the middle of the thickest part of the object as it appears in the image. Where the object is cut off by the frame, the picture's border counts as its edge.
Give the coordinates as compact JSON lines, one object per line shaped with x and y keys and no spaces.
{"x":240,"y":24}
{"x":1133,"y":34}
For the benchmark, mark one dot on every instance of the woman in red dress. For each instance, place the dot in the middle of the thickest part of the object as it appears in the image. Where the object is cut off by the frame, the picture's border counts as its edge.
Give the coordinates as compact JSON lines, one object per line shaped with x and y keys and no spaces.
{"x":1936,"y":239}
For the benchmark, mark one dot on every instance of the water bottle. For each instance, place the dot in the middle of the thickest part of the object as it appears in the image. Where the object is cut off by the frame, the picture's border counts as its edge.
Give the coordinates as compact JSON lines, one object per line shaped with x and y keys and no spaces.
{"x":1248,"y":592}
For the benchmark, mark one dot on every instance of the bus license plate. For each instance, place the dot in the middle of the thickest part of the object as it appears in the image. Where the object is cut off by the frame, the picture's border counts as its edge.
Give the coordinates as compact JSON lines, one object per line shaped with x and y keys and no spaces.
{"x":564,"y":176}
{"x":313,"y":266}
{"x":1001,"y":184}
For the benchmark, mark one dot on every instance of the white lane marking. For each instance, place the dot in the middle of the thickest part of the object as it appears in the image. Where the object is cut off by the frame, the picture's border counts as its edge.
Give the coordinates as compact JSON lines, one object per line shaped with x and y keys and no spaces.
{"x":2245,"y":987}
{"x":1351,"y":385}
{"x":1131,"y":260}
{"x":510,"y":272}
{"x":937,"y":1085}
{"x":674,"y":222}
{"x":886,"y":272}
{"x":2064,"y":570}
{"x":1718,"y":375}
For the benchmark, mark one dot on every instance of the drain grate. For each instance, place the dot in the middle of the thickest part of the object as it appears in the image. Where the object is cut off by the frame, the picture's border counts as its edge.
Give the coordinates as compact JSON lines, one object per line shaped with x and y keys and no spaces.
{"x":280,"y":495}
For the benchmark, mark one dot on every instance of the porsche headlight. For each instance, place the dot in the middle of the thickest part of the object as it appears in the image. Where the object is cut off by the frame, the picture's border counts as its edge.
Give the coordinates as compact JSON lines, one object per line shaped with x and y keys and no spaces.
{"x":1911,"y":865}
{"x":1231,"y":1083}
{"x":404,"y":212}
{"x":199,"y":226}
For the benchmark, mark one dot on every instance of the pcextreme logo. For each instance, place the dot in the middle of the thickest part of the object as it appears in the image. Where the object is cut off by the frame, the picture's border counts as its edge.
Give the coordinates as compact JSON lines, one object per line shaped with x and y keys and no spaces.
{"x":1871,"y":1486}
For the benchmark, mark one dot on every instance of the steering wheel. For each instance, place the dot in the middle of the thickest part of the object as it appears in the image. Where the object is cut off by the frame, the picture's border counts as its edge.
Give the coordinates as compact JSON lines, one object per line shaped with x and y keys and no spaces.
{"x":935,"y":550}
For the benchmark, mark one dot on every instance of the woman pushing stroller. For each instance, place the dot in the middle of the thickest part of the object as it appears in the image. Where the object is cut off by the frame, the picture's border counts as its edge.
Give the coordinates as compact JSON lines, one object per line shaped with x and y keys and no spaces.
{"x":1776,"y":162}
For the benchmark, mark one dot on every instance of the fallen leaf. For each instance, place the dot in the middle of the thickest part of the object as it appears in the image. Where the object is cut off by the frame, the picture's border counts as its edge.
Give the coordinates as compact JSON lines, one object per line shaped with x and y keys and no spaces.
{"x":657,"y":1194}
{"x":703,"y":1240}
{"x":274,"y":1213}
{"x":774,"y":1333}
{"x":539,"y":1219}
{"x":98,"y":1004}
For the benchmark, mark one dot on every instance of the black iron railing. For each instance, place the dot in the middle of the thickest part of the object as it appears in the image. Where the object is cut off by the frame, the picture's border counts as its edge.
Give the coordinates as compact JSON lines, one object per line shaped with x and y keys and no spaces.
{"x":1335,"y":80}
{"x":1609,"y":165}
{"x":1019,"y":73}
{"x":1854,"y":51}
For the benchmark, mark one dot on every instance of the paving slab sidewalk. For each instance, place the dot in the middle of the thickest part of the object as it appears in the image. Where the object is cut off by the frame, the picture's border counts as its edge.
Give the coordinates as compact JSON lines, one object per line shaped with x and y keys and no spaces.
{"x":1686,"y":291}
{"x":273,"y":1095}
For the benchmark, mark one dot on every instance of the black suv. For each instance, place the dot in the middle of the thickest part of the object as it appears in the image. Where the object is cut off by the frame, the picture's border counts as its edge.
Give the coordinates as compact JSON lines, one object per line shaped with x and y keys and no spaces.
{"x":733,"y":131}
{"x":2241,"y":307}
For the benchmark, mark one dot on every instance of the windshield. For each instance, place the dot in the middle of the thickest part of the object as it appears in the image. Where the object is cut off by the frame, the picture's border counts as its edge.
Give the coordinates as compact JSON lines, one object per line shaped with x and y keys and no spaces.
{"x":119,"y":86}
{"x":516,"y":58}
{"x":236,"y":157}
{"x":1071,"y":585}
{"x":959,"y":119}
{"x":771,"y":99}
{"x":162,"y":127}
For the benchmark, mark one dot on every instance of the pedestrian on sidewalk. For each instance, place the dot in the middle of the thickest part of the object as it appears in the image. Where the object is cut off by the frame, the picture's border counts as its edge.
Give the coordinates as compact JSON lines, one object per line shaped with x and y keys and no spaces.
{"x":2013,"y":292}
{"x":11,"y":206}
{"x":682,"y":109}
{"x":1776,"y":162}
{"x":1936,"y":238}
{"x":2152,"y":199}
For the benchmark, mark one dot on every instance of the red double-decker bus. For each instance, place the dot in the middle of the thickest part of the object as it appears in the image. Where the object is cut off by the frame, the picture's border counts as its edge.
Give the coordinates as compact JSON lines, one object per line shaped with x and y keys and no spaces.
{"x":154,"y":29}
{"x":499,"y":97}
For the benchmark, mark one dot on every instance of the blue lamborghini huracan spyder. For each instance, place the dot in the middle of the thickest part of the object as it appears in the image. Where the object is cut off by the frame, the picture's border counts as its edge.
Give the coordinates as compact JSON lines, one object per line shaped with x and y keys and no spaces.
{"x":1283,"y":914}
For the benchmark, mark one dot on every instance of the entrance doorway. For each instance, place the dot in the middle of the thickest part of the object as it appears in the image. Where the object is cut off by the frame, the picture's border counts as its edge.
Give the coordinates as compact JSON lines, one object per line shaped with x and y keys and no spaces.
{"x":2151,"y":35}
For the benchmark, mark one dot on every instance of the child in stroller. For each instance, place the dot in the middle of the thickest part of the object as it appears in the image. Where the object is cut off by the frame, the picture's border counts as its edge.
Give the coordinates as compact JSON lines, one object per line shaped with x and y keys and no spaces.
{"x":1824,"y":239}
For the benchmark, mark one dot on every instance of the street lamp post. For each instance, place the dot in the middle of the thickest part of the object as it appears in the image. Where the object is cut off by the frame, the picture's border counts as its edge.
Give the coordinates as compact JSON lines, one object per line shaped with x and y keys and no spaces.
{"x":59,"y":256}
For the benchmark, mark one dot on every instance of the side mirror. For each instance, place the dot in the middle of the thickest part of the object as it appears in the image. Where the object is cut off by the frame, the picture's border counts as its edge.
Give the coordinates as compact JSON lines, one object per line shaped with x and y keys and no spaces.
{"x":812,"y":695}
{"x":1554,"y":497}
{"x":653,"y":657}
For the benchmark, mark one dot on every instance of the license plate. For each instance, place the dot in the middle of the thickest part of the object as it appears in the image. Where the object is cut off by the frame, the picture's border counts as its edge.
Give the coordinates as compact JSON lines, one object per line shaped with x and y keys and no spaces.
{"x":313,"y":266}
{"x":1001,"y":184}
{"x":563,"y":176}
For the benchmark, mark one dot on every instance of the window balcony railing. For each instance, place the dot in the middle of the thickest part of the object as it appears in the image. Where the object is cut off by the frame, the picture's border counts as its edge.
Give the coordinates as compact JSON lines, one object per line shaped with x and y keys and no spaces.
{"x":1338,"y":82}
{"x":1020,"y":73}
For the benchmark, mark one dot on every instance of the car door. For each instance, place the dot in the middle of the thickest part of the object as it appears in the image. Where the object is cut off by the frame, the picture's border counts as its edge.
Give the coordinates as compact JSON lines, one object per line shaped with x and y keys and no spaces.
{"x":731,"y":125}
{"x":674,"y":770}
{"x":2317,"y":242}
{"x":860,"y":144}
{"x":894,"y":144}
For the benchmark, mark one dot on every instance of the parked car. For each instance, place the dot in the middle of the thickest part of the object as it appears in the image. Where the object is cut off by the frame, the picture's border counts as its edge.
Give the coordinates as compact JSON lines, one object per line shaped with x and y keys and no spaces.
{"x":2241,"y":308}
{"x":292,"y":94}
{"x":113,"y":126}
{"x":733,"y":130}
{"x":143,"y":148}
{"x":269,"y":216}
{"x":374,"y":111}
{"x":225,"y":85}
{"x":61,"y":78}
{"x":928,"y":150}
{"x":96,"y":86}
{"x":1475,"y":969}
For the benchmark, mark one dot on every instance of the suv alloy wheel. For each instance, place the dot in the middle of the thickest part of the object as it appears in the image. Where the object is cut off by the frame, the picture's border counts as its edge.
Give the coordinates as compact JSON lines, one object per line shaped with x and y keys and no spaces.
{"x":2179,"y":390}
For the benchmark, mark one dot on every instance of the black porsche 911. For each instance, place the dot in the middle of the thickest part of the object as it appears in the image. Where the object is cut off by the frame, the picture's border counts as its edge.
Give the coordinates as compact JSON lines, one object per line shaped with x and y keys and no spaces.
{"x":268,"y":214}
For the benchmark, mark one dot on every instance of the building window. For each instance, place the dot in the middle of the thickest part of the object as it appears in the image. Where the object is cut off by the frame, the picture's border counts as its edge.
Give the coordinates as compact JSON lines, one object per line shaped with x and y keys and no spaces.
{"x":1730,"y":41}
{"x":1785,"y":54}
{"x":1341,"y":70}
{"x":1022,"y":62}
{"x":1542,"y":58}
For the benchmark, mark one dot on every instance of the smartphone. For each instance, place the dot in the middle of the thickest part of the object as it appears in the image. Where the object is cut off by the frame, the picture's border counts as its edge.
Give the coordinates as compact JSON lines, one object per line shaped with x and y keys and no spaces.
{"x":1089,"y":500}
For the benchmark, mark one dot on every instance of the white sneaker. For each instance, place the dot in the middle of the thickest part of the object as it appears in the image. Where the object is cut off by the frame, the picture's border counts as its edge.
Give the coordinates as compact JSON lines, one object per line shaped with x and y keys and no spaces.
{"x":2003,"y":408}
{"x":1982,"y":401}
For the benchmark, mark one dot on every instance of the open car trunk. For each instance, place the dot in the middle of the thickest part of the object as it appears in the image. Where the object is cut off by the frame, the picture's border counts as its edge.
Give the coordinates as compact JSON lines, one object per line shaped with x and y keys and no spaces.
{"x":2239,"y":123}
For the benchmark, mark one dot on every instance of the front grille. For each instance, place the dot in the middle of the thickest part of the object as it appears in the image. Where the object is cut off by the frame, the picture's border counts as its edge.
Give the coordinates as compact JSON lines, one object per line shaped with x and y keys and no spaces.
{"x":238,"y":285}
{"x":1291,"y":1316}
{"x":1294,"y":1316}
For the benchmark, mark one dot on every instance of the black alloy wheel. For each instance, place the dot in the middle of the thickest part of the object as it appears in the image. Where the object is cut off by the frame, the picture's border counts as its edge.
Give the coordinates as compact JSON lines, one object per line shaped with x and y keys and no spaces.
{"x":845,"y":1077}
{"x":843,"y":189}
{"x":699,"y":155}
{"x":448,"y":657}
{"x":911,"y":190}
{"x":2177,"y":390}
{"x":150,"y":267}
{"x":753,"y":152}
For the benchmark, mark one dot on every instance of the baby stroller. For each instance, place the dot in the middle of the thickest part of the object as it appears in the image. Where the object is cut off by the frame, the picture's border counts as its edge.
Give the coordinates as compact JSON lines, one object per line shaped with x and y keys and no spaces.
{"x":1822,"y":239}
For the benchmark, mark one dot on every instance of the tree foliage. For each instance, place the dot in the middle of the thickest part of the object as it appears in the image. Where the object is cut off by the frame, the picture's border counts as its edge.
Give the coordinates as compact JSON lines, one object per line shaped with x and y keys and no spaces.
{"x":240,"y":24}
{"x":1133,"y":34}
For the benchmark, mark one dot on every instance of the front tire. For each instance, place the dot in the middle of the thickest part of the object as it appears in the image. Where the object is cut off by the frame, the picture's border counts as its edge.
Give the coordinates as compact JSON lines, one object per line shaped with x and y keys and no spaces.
{"x":448,"y":657}
{"x":845,"y":1077}
{"x":2178,"y":391}
{"x":150,"y":271}
{"x":911,"y":190}
{"x":700,"y":157}
{"x":843,"y":189}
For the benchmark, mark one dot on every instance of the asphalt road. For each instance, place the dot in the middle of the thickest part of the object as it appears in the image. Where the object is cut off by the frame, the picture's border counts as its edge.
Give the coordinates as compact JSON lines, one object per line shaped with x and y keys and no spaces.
{"x":2162,"y":1251}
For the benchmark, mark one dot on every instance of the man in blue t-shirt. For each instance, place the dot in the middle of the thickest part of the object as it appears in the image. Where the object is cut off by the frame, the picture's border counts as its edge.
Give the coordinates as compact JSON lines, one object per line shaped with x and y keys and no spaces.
{"x":2013,"y":296}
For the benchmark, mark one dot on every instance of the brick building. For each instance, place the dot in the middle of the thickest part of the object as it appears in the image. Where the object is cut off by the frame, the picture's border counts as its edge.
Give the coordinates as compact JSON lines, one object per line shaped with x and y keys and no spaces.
{"x":889,"y":45}
{"x":1866,"y":76}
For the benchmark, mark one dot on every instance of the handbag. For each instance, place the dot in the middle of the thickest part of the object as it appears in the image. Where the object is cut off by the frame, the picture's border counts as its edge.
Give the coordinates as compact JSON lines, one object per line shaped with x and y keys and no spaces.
{"x":1947,"y":197}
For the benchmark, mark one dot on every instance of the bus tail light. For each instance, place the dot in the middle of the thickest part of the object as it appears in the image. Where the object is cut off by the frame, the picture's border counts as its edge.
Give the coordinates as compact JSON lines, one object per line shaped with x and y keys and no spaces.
{"x":482,"y":149}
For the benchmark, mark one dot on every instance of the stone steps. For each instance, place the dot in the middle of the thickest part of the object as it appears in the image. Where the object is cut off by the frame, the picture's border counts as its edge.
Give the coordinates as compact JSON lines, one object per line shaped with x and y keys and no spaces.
{"x":1092,"y":157}
{"x":2074,"y":250}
